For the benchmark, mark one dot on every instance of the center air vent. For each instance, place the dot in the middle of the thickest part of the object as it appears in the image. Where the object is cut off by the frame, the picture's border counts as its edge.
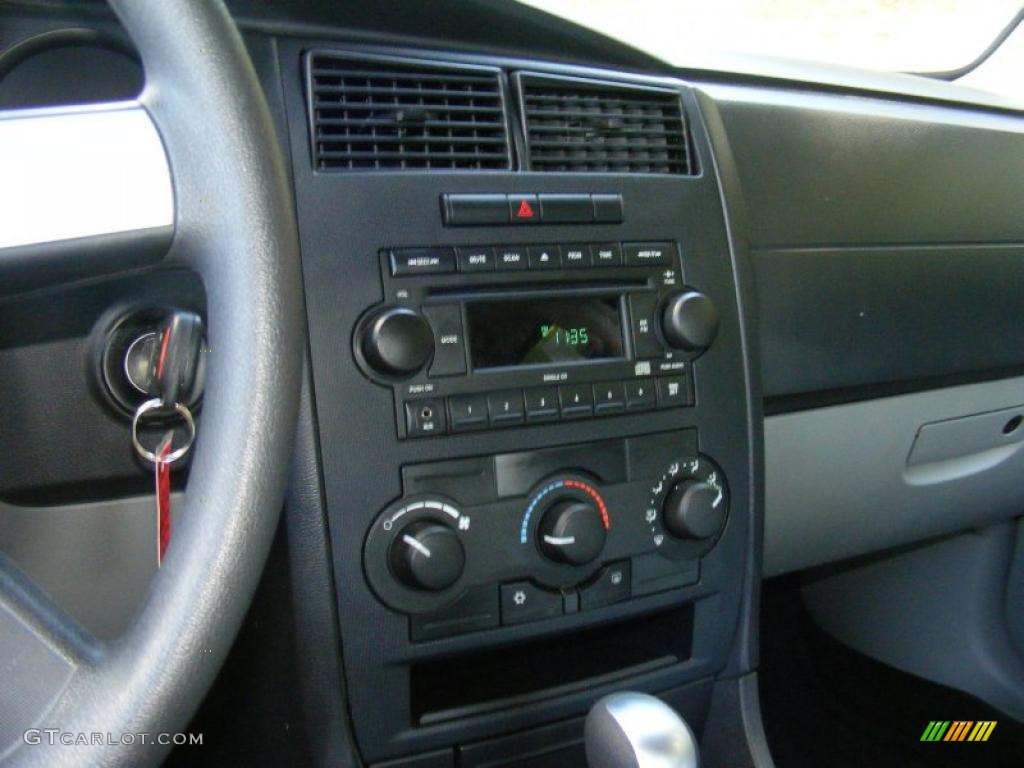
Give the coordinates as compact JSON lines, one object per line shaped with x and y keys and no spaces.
{"x":589,"y":126}
{"x":385,"y":114}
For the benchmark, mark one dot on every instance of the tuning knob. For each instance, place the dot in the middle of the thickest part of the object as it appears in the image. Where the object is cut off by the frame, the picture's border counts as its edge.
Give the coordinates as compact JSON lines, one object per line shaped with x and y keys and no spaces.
{"x":427,"y":555}
{"x":690,"y":510}
{"x":572,"y":532}
{"x":397,"y":341}
{"x":689,"y":321}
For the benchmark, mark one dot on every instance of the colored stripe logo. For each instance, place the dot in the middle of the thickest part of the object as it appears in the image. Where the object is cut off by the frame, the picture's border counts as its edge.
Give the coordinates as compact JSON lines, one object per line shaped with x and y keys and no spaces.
{"x":958,"y":730}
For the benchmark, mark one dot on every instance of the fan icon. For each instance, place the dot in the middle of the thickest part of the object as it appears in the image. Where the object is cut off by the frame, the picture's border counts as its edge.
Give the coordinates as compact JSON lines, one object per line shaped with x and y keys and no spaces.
{"x":519,"y":597}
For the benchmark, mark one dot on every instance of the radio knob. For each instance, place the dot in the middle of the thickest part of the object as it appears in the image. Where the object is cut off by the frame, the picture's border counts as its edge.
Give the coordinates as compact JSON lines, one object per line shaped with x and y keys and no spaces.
{"x":689,"y":321}
{"x":690,"y":512}
{"x":427,"y":555}
{"x":397,"y":341}
{"x":572,"y":532}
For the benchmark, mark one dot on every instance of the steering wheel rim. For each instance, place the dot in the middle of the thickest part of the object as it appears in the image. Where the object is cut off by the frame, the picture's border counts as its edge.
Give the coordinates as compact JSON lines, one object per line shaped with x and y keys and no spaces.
{"x":203,"y":96}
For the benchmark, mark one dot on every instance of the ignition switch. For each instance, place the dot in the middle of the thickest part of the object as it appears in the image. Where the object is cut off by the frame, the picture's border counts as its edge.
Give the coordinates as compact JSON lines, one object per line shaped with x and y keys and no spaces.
{"x":135,"y":351}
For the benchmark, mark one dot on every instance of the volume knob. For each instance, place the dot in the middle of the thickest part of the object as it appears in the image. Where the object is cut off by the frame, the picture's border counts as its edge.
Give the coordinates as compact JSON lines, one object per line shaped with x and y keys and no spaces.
{"x":397,"y":341}
{"x":690,"y":321}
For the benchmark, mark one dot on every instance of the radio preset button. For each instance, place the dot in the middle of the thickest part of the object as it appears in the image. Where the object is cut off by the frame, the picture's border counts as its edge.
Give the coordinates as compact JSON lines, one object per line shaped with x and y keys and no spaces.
{"x":467,"y":412}
{"x":449,"y":342}
{"x":609,"y":398}
{"x":674,"y":391}
{"x":640,"y":395}
{"x":505,"y":407}
{"x":642,"y":308}
{"x":541,"y":404}
{"x":425,"y":417}
{"x":648,"y":254}
{"x":607,"y":254}
{"x":544,"y":257}
{"x":475,"y":259}
{"x":574,"y":256}
{"x":422,"y":261}
{"x":512,"y":257}
{"x":576,"y":399}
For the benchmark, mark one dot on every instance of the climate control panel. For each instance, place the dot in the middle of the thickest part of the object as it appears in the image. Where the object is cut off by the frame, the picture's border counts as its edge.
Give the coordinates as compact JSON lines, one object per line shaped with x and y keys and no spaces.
{"x":477,"y":543}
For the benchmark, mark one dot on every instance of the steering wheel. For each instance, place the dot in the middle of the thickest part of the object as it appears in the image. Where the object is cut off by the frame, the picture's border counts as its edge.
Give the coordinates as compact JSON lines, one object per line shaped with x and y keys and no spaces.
{"x":203,"y":98}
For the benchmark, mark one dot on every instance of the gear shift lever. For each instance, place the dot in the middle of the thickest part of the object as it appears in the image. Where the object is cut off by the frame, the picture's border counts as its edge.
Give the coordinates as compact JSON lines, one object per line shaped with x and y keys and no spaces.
{"x":634,"y":730}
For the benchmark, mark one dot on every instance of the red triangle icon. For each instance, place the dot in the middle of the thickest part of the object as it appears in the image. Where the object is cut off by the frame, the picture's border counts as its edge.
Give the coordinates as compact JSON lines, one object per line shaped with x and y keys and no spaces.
{"x":525,"y":211}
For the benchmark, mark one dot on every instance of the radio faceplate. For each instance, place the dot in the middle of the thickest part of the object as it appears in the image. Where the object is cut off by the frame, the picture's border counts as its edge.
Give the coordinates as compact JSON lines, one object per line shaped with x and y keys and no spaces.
{"x":557,"y":336}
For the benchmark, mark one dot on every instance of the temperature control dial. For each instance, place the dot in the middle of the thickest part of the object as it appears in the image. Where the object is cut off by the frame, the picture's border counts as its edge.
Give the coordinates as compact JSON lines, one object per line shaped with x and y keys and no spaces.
{"x":572,"y":531}
{"x":427,"y":555}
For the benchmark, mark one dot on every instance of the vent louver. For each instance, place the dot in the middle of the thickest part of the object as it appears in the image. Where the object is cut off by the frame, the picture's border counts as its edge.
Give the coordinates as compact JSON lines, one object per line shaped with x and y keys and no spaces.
{"x":383,"y":114}
{"x":588,"y":126}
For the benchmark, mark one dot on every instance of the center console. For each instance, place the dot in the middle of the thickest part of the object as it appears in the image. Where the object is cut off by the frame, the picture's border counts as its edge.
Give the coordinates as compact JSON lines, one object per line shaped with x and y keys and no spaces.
{"x":534,"y":414}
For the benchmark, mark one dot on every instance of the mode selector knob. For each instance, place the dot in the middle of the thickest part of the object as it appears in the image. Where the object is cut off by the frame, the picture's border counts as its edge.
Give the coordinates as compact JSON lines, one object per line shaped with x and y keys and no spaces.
{"x":397,"y":341}
{"x":427,"y":555}
{"x":690,"y":511}
{"x":572,"y":532}
{"x":689,"y":321}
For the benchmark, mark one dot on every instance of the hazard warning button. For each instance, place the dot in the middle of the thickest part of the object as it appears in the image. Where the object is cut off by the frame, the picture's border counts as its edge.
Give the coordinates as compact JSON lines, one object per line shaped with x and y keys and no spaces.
{"x":523,"y":209}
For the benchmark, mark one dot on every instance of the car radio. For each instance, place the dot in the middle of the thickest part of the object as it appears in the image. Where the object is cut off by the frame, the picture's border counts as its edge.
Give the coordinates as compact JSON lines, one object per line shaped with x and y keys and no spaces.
{"x":483,"y":337}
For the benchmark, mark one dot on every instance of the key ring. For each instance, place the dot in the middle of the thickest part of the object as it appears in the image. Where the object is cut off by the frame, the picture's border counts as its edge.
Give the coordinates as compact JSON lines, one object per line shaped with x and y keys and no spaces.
{"x":174,"y":455}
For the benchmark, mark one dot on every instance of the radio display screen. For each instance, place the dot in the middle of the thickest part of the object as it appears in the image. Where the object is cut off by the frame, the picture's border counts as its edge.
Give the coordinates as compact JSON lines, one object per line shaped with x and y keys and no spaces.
{"x":544,"y":331}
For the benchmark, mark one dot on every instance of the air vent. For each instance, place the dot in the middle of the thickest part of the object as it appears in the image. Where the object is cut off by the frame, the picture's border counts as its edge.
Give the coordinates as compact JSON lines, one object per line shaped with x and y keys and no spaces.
{"x":386,"y":114}
{"x":588,"y":126}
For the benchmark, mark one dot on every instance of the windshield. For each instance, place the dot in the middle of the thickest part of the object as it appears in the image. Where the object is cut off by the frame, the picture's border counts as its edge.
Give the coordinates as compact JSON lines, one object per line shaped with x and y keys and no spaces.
{"x":922,"y":36}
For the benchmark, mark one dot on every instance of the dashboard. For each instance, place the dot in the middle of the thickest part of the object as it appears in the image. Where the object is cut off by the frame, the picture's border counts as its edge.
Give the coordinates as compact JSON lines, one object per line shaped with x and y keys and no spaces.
{"x":592,"y":347}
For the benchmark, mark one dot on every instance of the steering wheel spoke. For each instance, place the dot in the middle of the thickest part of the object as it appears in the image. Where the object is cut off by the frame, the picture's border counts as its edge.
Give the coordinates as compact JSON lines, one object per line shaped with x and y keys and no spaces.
{"x":41,"y":647}
{"x":85,"y":190}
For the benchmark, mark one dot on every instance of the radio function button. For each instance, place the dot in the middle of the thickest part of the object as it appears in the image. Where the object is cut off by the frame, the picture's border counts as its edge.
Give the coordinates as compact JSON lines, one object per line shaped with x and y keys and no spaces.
{"x":607,"y":209}
{"x":505,"y":407}
{"x":544,"y":257}
{"x":476,"y":259}
{"x":425,"y":417}
{"x":566,"y":209}
{"x":523,"y":209}
{"x":609,"y":398}
{"x":449,"y":342}
{"x":512,"y":257}
{"x":575,"y":256}
{"x":607,"y":255}
{"x":406,"y":262}
{"x":640,"y":395}
{"x":642,"y":308}
{"x":541,"y":404}
{"x":650,"y":254}
{"x":470,"y":210}
{"x":467,"y":412}
{"x":674,"y":391}
{"x":576,"y":399}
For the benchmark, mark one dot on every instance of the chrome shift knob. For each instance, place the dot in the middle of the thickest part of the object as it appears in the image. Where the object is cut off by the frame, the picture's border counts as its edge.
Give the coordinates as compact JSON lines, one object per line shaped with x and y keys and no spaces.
{"x":634,"y":730}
